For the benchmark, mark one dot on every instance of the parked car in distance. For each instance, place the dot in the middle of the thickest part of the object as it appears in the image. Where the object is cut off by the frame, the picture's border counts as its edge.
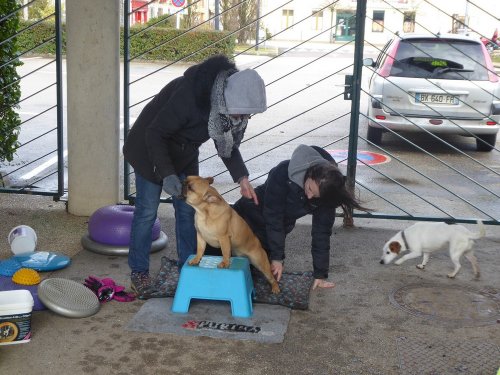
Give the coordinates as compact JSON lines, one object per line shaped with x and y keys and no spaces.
{"x":443,"y":84}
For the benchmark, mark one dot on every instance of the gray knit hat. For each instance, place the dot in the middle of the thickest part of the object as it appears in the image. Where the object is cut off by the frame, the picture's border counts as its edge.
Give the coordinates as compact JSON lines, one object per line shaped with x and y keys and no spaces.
{"x":245,"y":93}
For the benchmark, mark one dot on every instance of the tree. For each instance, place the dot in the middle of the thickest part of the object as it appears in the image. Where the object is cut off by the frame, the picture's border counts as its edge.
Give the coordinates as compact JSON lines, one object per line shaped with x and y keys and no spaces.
{"x":192,"y":18}
{"x":10,"y":90}
{"x":241,"y":17}
{"x":40,"y":9}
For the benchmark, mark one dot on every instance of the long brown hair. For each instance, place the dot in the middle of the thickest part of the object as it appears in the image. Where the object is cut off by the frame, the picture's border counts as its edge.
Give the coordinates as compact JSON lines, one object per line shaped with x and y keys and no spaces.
{"x":332,"y":187}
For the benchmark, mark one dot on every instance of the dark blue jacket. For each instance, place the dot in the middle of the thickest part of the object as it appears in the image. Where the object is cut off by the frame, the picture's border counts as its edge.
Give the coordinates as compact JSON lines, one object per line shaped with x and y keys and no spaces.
{"x":167,"y":134}
{"x":281,"y":203}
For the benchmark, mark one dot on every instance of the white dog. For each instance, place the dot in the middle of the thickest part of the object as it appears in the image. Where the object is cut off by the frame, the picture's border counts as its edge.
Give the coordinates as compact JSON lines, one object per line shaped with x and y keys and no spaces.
{"x":423,"y":238}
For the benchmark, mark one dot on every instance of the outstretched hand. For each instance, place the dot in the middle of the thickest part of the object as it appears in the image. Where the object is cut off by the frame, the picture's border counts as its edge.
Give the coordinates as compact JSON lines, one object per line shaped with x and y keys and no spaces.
{"x":322,"y":283}
{"x":246,"y":190}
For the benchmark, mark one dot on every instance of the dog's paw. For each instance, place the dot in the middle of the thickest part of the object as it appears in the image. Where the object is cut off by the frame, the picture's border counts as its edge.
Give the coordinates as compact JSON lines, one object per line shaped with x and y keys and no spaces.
{"x":194,"y":262}
{"x":398,"y":262}
{"x":275,"y":289}
{"x":223,"y":264}
{"x":420,"y":266}
{"x":451,"y":275}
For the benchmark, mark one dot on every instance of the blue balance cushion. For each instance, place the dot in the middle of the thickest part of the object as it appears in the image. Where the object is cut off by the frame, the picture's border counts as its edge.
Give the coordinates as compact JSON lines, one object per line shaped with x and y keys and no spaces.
{"x":43,"y":260}
{"x":9,"y":267}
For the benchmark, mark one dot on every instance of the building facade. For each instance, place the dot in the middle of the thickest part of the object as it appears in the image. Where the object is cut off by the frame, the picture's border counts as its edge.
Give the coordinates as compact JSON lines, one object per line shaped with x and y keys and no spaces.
{"x":327,"y":21}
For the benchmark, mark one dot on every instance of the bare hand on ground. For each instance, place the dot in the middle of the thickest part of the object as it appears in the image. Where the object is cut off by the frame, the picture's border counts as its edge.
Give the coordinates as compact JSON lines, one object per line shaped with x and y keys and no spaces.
{"x":321,"y":283}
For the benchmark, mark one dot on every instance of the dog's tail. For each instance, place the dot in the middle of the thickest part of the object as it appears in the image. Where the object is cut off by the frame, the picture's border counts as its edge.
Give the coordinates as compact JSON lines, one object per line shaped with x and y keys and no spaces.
{"x":482,"y":230}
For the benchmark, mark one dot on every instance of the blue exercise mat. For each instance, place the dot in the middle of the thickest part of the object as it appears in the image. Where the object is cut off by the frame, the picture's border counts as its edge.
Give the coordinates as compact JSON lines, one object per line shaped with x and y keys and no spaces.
{"x":43,"y":260}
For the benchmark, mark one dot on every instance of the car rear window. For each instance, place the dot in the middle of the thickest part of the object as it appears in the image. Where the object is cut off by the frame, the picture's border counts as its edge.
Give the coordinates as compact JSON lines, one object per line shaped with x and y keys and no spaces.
{"x":440,"y":58}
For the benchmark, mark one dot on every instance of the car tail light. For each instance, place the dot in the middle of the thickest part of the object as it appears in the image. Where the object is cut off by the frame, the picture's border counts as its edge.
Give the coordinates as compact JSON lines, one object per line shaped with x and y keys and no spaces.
{"x":385,"y":69}
{"x":436,"y":122}
{"x":380,"y":117}
{"x":489,"y":65}
{"x":491,"y":123}
{"x":495,"y":108}
{"x":376,"y":103}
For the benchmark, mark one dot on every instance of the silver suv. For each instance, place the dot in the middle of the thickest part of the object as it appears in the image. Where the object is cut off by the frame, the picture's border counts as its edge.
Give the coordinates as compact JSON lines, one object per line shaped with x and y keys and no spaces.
{"x":441,"y":84}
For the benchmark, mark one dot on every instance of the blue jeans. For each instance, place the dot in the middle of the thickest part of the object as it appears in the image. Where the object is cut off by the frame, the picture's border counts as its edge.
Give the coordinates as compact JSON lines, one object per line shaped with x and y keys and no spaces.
{"x":147,"y":201}
{"x":185,"y":232}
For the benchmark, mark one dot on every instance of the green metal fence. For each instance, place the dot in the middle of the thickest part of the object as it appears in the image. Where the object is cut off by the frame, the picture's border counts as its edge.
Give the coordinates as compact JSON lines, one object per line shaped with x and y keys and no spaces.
{"x":37,"y":166}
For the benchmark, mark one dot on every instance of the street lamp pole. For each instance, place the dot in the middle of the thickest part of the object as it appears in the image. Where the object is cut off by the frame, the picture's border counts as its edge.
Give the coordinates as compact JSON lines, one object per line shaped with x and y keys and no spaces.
{"x":466,"y":22}
{"x":257,"y":27}
{"x":217,"y":12}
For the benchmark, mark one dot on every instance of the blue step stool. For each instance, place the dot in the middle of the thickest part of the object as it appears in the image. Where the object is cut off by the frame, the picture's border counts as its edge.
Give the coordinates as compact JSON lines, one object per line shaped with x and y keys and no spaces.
{"x":206,"y":281}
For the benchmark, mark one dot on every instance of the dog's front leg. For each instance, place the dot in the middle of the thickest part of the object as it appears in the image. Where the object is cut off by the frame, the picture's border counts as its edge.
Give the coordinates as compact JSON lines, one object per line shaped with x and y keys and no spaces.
{"x":410,"y":255}
{"x":424,"y":261}
{"x":261,"y":262}
{"x":225,"y":247}
{"x":201,"y":245}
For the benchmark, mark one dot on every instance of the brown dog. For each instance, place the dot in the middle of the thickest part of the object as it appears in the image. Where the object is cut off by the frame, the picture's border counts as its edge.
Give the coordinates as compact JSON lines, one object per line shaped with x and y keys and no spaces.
{"x":220,"y":226}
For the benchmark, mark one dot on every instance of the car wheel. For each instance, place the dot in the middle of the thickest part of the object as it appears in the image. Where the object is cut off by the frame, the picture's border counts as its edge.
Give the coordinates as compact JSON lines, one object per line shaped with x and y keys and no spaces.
{"x":374,"y":135}
{"x":488,"y":138}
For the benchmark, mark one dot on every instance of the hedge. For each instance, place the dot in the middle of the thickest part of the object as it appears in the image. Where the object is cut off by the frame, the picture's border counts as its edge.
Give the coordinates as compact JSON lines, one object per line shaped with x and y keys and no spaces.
{"x":39,"y":40}
{"x":9,"y":81}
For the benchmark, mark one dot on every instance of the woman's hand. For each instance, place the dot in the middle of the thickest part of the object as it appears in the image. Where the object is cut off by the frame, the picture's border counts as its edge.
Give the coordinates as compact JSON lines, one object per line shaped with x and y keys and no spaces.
{"x":277,"y":269}
{"x":246,"y":190}
{"x":322,"y":283}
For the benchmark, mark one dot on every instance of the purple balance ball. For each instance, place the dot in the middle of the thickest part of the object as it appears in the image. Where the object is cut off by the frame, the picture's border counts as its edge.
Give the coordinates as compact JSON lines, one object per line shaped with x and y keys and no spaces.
{"x":110,"y":225}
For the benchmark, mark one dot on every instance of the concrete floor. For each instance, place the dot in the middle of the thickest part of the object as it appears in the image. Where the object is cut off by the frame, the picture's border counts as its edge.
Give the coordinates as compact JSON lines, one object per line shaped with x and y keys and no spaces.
{"x":441,"y":326}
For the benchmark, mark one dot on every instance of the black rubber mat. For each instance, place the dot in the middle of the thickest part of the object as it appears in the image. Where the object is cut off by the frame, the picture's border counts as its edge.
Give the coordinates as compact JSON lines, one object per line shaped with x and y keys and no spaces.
{"x":295,"y":286}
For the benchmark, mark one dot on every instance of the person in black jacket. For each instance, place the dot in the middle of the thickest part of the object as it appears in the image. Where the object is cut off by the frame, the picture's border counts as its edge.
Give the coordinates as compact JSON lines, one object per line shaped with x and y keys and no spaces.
{"x":211,"y":100}
{"x":309,"y":183}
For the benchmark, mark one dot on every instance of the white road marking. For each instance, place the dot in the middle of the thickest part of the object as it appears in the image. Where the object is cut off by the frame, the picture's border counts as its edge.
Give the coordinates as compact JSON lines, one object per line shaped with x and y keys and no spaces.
{"x":38,"y":170}
{"x":42,"y":167}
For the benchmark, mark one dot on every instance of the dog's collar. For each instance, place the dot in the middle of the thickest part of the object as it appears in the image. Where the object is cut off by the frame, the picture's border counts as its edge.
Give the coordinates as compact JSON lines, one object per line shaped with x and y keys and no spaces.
{"x":404,"y":240}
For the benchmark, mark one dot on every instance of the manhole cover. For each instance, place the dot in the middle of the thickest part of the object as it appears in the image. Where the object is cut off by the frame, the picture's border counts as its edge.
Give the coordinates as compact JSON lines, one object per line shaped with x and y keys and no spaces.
{"x":448,"y":304}
{"x":417,"y":357}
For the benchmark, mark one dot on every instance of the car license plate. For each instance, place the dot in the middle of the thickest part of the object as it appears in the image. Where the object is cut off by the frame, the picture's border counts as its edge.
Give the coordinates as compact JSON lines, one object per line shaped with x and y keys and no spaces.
{"x":436,"y":99}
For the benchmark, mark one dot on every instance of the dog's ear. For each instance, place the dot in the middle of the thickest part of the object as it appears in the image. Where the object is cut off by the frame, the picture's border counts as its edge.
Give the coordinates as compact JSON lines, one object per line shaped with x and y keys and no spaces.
{"x":395,"y":247}
{"x":210,"y":180}
{"x":210,"y":198}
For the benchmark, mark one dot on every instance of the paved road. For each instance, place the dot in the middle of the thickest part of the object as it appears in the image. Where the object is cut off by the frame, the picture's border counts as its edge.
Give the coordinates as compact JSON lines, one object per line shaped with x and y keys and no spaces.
{"x":306,"y":105}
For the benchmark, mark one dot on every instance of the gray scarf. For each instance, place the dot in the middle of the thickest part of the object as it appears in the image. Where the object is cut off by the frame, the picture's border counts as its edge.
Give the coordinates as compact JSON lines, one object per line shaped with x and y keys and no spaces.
{"x":226,"y":134}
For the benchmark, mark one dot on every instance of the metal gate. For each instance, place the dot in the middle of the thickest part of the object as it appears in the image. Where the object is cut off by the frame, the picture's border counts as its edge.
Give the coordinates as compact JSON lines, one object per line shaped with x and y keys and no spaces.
{"x":318,"y":93}
{"x":37,"y":166}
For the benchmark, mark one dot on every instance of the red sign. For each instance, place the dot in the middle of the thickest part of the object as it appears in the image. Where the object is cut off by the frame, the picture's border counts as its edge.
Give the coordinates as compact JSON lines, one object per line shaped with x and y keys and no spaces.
{"x":139,"y":4}
{"x":178,"y":3}
{"x":363,"y":157}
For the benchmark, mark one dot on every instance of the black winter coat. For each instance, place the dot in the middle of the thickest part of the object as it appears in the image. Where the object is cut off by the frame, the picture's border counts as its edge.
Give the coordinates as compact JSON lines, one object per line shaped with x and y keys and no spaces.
{"x":167,"y":134}
{"x":281,"y":203}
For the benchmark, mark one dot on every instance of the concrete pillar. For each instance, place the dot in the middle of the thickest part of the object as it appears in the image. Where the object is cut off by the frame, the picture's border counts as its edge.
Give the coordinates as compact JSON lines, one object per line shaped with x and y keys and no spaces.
{"x":93,"y":92}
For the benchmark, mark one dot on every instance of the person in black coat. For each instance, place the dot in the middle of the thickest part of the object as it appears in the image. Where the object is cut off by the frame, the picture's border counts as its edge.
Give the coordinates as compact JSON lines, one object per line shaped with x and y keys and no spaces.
{"x":212,"y":100}
{"x":309,"y":183}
